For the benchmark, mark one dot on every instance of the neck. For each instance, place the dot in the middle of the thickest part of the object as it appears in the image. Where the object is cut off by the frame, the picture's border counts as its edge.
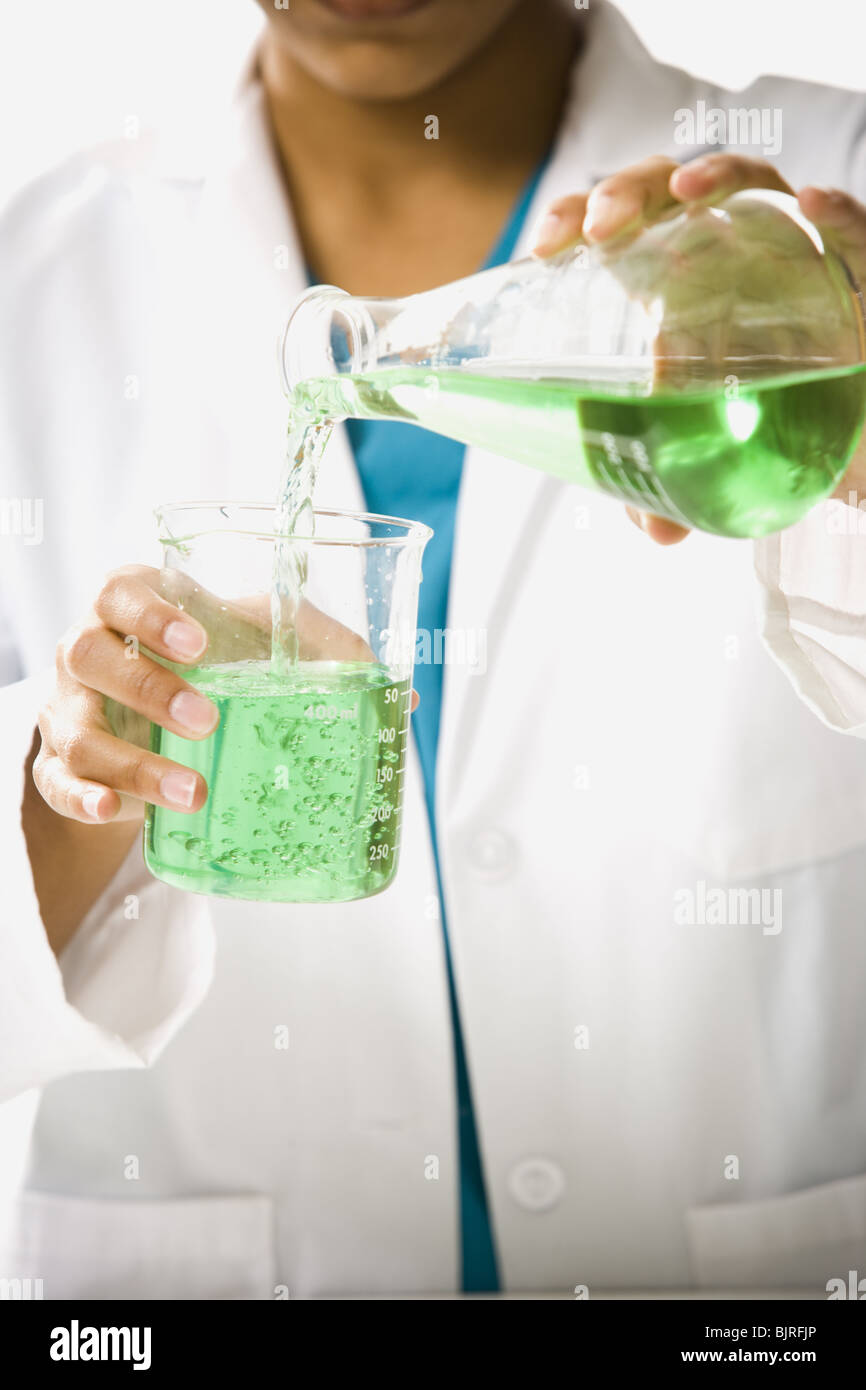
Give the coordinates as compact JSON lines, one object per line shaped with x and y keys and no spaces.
{"x":497,"y":112}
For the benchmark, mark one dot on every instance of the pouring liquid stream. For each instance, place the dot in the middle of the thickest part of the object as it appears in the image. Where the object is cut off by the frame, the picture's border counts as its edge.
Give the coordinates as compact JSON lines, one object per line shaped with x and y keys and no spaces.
{"x":307,"y":437}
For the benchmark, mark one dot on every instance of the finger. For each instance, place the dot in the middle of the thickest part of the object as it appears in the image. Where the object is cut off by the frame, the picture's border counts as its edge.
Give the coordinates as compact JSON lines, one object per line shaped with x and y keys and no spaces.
{"x":843,"y":222}
{"x":97,"y":658}
{"x":320,"y":637}
{"x":715,"y":176}
{"x":238,"y":629}
{"x":95,"y":760}
{"x":129,"y":603}
{"x":560,"y":225}
{"x":71,"y":796}
{"x":624,"y":201}
{"x":176,"y":618}
{"x":658,"y":528}
{"x":415,"y":702}
{"x":86,"y":710}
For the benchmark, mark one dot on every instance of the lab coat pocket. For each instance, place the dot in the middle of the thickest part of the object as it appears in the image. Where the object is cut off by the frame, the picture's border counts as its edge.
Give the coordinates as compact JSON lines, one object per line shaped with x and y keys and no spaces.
{"x":801,"y":1240}
{"x":199,"y":1248}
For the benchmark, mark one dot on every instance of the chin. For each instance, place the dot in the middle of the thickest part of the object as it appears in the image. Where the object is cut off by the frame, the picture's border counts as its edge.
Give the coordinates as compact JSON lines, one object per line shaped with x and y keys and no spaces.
{"x":373,"y":73}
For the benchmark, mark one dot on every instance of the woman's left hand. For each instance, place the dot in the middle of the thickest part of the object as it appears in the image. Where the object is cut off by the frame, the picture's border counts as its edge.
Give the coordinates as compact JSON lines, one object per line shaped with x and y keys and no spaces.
{"x":640,"y":194}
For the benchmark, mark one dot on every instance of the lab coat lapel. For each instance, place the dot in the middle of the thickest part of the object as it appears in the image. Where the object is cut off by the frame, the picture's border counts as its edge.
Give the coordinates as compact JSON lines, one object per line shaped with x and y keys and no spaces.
{"x":502,"y":504}
{"x":499,"y":519}
{"x":250,"y":272}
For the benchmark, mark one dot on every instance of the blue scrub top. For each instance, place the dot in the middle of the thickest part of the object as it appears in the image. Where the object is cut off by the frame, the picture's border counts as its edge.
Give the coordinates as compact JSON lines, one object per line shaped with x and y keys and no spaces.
{"x":406,"y":471}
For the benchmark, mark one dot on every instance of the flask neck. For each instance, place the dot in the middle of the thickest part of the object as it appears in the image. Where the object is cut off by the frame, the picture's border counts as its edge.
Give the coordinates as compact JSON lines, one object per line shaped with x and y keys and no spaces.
{"x":332,"y":334}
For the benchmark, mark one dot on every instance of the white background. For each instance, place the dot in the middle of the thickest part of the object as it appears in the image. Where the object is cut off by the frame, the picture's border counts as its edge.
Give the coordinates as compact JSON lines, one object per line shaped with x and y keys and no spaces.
{"x":72,"y":71}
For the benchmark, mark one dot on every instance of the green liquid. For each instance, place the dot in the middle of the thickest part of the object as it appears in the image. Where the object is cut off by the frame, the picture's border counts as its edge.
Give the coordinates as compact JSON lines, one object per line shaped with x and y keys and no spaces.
{"x":304,"y":775}
{"x":738,"y":467}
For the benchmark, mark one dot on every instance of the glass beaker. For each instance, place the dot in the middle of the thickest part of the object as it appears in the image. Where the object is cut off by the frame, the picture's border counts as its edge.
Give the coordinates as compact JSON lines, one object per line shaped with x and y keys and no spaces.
{"x":709,"y":369}
{"x":305,"y":768}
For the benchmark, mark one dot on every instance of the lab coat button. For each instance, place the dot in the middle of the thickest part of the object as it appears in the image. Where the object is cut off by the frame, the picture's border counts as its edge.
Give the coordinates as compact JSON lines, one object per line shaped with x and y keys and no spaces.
{"x":492,"y":854}
{"x":536,"y":1184}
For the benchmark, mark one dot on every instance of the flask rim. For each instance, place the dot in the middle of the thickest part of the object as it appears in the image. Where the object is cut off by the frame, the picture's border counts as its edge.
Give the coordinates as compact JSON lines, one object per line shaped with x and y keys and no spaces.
{"x":294,"y":356}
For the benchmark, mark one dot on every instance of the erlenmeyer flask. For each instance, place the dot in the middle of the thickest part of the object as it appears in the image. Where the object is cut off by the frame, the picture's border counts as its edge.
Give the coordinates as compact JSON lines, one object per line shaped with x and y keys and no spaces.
{"x":709,"y":369}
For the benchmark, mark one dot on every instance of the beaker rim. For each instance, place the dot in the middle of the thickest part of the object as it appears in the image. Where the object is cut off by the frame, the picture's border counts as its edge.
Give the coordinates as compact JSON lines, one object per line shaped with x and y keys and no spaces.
{"x":413,"y":532}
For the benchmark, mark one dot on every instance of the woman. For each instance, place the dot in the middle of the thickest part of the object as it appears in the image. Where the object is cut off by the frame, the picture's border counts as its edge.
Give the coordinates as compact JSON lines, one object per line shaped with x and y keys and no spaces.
{"x":517,"y":1068}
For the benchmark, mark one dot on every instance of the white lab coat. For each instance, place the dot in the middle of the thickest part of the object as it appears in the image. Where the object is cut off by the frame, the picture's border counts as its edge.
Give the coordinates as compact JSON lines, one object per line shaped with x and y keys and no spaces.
{"x":659,"y":1105}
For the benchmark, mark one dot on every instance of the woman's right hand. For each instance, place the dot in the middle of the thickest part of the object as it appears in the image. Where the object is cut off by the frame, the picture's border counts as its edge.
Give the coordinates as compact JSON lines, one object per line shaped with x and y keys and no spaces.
{"x":95,"y":763}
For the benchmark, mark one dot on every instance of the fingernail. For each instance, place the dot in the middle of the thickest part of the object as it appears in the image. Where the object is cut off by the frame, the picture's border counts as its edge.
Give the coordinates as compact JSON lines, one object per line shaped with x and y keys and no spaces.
{"x":178,"y":788}
{"x":183,"y":639}
{"x":90,"y":802}
{"x":193,"y":711}
{"x":547,"y":234}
